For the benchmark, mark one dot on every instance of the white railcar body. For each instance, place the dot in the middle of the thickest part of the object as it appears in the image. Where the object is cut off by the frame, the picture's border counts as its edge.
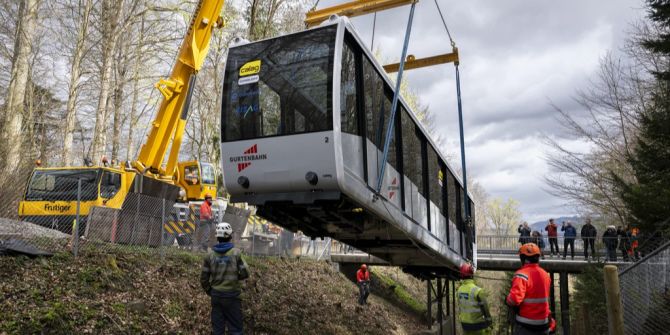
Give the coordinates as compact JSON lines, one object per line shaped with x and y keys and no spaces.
{"x":309,"y":156}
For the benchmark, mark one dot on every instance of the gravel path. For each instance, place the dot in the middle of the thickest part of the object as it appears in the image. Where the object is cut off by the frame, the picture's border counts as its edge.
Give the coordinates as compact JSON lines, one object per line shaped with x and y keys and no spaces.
{"x":27,"y":230}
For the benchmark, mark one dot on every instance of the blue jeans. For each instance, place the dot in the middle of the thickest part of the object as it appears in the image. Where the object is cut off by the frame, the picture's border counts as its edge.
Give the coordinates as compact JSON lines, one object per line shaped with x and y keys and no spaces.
{"x":227,"y":313}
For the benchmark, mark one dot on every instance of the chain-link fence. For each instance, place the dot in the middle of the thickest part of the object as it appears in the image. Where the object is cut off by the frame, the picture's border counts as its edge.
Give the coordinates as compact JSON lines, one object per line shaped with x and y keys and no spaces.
{"x":81,"y":210}
{"x":263,"y":238}
{"x":645,"y":294}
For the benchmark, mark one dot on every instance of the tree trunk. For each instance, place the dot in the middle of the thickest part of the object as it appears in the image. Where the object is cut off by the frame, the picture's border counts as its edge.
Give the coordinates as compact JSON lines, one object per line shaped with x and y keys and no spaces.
{"x":12,"y":137}
{"x":120,"y":82}
{"x":110,"y":15}
{"x":130,"y":151}
{"x":73,"y":89}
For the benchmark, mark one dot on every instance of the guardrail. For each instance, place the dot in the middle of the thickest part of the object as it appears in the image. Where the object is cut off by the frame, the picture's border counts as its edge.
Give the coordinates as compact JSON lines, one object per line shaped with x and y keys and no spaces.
{"x":621,"y":248}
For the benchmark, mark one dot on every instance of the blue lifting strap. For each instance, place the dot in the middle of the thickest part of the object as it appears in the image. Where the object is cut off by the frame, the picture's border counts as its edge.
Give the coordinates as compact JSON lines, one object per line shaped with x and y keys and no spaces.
{"x":394,"y":105}
{"x":460,"y":125}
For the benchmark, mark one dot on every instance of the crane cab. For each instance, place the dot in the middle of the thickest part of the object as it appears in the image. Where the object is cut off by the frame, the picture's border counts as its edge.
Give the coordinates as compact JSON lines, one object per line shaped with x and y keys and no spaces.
{"x":197,"y":179}
{"x":50,"y":198}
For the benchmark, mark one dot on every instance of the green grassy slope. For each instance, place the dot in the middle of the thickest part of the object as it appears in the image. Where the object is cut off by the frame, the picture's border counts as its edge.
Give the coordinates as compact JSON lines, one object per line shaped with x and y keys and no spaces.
{"x":136,"y":293}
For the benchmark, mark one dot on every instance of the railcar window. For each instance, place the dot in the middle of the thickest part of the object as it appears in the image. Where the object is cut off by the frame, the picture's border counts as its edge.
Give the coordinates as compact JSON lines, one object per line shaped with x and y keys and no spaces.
{"x":411,"y":149}
{"x":378,"y":111}
{"x":348,"y":92}
{"x":280,"y":86}
{"x":451,"y":197}
{"x":434,"y":183}
{"x":472,"y":217}
{"x":461,"y":201}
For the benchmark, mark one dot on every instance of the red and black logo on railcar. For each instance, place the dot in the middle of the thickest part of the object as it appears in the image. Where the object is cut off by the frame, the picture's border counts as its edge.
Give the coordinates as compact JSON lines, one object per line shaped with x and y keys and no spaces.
{"x":249,"y":155}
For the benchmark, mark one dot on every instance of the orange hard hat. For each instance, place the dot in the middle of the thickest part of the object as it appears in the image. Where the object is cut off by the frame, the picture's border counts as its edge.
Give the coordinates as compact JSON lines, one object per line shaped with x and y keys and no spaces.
{"x":466,"y":270}
{"x":529,"y":249}
{"x":364,"y":267}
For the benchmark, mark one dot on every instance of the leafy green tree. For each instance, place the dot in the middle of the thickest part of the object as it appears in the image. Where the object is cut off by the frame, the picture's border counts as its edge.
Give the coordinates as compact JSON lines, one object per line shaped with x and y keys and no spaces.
{"x":589,"y":293}
{"x":648,"y":198}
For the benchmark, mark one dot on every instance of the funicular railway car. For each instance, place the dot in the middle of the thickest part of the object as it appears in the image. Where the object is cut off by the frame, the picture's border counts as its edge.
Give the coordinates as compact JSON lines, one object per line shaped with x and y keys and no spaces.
{"x":304,"y":117}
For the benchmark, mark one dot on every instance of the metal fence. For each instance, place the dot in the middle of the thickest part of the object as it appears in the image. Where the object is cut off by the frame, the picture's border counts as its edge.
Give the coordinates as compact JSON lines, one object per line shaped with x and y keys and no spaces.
{"x":621,"y":248}
{"x":645,"y":293}
{"x":78,"y":219}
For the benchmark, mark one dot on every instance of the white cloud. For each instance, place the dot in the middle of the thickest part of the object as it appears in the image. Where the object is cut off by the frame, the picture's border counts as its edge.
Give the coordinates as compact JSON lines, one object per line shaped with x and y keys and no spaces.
{"x":518,"y":57}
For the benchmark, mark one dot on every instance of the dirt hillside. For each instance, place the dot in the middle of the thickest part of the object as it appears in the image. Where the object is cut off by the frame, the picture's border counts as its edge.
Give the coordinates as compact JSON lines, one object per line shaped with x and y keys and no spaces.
{"x":135,"y":293}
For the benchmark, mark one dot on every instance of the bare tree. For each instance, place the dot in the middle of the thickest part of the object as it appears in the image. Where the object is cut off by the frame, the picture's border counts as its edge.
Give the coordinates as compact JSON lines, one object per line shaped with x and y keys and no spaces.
{"x":138,"y":57}
{"x":503,"y":216}
{"x":121,"y":69}
{"x":481,"y":211}
{"x":12,"y":138}
{"x":115,"y":17}
{"x":607,"y":123}
{"x":84,"y":12}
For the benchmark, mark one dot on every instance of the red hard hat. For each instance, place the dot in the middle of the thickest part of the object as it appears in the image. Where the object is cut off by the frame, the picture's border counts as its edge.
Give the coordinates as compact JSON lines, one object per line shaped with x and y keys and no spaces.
{"x":529,"y":249}
{"x":466,"y":270}
{"x":364,"y":267}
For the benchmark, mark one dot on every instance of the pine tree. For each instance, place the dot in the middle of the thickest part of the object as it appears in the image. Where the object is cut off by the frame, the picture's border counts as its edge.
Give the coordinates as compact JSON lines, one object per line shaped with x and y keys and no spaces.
{"x":648,"y":199}
{"x":659,"y":13}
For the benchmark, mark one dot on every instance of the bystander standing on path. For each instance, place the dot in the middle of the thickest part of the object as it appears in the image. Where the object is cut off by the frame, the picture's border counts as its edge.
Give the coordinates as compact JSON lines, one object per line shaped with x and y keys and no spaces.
{"x":524,"y":233}
{"x":552,"y":234}
{"x":569,"y":235}
{"x":588,"y":234}
{"x":610,"y":242}
{"x":624,"y":242}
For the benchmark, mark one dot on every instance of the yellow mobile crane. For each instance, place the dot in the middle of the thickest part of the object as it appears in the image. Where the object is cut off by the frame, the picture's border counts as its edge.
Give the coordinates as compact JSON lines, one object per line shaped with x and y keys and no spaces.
{"x":51,"y":195}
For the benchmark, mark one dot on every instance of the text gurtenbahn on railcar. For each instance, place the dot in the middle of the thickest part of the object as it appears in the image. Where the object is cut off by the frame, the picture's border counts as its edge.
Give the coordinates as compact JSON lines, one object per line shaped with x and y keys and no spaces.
{"x":304,"y":117}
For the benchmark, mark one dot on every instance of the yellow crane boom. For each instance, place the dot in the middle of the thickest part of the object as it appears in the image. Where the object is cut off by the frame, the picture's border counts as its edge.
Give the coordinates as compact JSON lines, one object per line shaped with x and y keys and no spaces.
{"x":168,"y":126}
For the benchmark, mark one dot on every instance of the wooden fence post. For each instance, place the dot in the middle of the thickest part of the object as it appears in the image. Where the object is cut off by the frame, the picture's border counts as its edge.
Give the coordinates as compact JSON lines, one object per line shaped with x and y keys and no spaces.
{"x":614,"y":307}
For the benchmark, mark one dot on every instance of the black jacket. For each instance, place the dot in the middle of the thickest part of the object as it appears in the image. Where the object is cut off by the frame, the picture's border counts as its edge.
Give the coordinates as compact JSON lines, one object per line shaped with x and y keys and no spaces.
{"x":588,"y":230}
{"x":610,"y":239}
{"x":624,"y":239}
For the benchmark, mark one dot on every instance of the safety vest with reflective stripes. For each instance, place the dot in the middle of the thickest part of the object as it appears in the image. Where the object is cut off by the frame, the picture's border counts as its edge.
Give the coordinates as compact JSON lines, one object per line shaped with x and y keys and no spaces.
{"x":471,"y":306}
{"x":223,"y":271}
{"x":530,"y":291}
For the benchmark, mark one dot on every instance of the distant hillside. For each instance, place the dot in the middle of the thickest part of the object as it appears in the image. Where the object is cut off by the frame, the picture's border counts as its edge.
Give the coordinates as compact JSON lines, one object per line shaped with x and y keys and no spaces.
{"x":576,"y":221}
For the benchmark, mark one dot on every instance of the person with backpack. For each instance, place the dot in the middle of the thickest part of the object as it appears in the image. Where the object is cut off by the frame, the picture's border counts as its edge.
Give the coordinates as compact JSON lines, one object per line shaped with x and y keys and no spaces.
{"x":222,"y":270}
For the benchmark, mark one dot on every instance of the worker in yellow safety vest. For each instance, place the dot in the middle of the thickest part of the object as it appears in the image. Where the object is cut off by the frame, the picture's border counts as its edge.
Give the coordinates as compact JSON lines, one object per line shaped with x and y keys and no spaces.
{"x":474,"y":311}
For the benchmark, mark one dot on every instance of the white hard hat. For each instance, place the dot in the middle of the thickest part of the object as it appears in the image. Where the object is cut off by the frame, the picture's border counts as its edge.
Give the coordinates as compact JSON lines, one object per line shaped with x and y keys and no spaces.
{"x":223,"y":229}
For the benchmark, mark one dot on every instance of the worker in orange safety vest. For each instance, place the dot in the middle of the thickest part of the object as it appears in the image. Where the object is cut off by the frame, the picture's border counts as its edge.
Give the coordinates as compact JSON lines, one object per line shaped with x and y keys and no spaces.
{"x":529,"y":295}
{"x":363,"y":281}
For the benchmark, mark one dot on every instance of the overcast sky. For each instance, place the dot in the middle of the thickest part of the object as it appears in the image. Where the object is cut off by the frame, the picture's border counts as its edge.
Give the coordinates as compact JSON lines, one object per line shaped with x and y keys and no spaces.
{"x":517,"y":58}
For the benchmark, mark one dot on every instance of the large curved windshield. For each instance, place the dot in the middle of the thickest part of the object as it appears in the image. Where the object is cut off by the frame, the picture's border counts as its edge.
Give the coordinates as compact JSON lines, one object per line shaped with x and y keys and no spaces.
{"x":62,"y":185}
{"x":279,"y":86}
